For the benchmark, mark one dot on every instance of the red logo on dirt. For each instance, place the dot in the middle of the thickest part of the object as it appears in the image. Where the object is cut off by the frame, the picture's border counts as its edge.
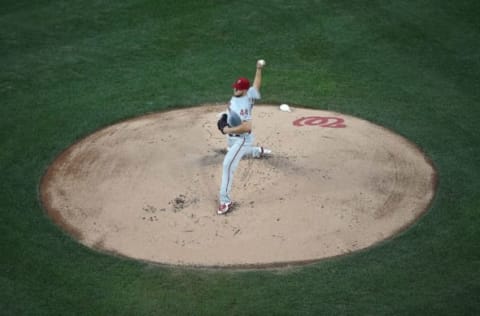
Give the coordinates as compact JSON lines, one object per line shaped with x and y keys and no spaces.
{"x":332,"y":122}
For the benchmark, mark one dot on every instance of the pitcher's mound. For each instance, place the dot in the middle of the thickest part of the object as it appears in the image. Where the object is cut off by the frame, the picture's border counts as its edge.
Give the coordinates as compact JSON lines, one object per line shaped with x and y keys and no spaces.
{"x":147,"y":188}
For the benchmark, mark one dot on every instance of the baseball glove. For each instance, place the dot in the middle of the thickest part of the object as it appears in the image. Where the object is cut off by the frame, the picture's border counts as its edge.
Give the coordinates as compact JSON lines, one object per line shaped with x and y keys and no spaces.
{"x":222,"y":122}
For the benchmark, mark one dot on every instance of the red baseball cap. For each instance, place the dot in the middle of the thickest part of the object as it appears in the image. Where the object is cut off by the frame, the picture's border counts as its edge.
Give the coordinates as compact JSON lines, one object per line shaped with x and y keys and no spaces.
{"x":241,"y":84}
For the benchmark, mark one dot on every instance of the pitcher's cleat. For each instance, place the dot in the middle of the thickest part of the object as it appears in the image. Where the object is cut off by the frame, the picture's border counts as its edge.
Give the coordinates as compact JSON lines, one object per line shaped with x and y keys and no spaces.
{"x":224,"y":208}
{"x":265,"y":152}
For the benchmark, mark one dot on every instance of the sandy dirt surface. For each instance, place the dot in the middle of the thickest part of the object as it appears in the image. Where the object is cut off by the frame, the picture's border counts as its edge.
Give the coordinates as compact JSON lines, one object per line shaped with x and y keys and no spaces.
{"x":147,"y":188}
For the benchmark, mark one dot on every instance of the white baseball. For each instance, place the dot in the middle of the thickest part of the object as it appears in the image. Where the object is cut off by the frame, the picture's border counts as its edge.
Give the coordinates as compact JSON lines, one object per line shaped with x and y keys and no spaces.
{"x":261,"y":62}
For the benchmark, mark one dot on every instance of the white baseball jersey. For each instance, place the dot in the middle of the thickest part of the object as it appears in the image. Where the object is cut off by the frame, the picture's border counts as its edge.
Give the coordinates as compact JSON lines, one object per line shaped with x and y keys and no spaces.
{"x":243,"y":105}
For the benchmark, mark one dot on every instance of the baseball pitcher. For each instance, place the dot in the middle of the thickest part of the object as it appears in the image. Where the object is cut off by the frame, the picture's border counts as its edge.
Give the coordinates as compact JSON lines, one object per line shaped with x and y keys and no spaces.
{"x":237,"y":124}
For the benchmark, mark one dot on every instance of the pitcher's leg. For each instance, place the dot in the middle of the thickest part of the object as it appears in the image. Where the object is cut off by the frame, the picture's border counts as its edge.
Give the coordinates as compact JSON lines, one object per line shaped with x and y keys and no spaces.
{"x":258,"y":152}
{"x":255,"y":151}
{"x":230,"y":164}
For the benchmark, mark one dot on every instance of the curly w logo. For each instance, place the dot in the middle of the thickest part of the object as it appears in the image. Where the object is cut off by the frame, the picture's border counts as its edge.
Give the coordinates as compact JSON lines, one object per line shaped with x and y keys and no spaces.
{"x":321,"y":121}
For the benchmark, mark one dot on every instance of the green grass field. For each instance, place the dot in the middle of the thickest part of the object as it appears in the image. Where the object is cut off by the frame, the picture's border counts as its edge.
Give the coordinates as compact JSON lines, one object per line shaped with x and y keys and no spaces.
{"x":69,"y":68}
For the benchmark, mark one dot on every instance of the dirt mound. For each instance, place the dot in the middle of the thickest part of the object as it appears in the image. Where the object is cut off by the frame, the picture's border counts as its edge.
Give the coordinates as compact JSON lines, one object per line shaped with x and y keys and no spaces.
{"x":147,"y":188}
